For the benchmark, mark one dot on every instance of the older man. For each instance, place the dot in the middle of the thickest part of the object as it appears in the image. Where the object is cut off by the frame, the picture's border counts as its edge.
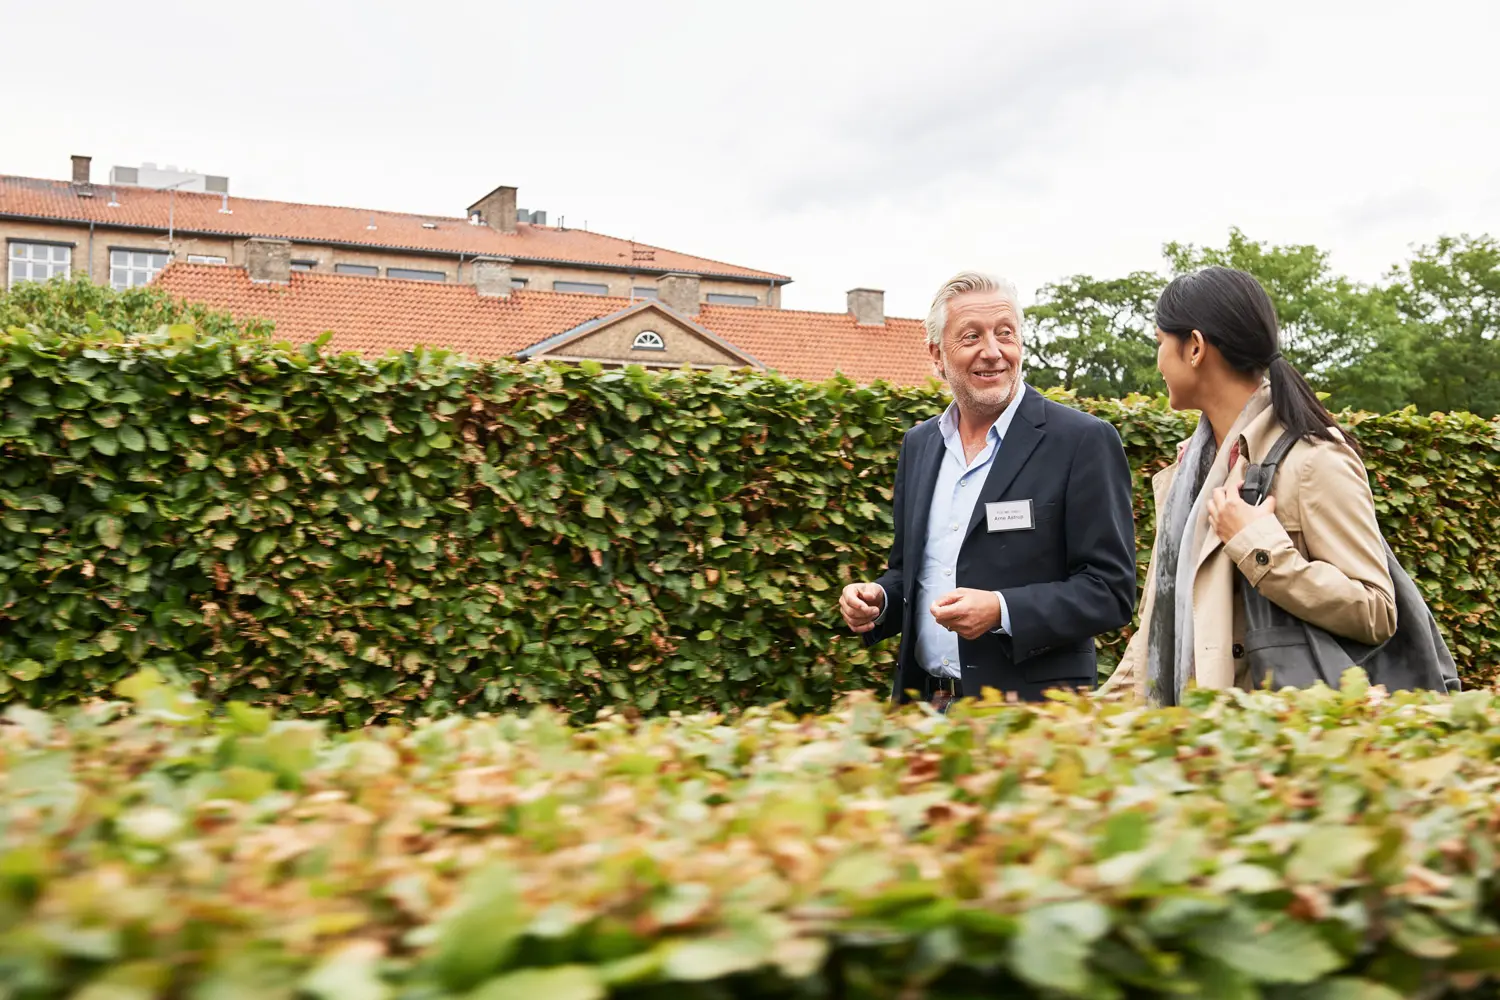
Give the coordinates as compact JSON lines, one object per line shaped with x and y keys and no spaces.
{"x":1015,"y":542}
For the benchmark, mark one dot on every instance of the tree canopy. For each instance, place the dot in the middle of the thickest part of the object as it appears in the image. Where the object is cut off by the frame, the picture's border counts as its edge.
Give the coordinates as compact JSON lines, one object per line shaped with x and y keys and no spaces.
{"x":1428,"y":336}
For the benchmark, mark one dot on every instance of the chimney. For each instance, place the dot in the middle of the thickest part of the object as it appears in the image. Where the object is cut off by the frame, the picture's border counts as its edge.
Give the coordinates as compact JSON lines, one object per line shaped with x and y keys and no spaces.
{"x":497,"y":209}
{"x":867,"y":306}
{"x":81,"y":169}
{"x":492,"y":277}
{"x":679,"y":292}
{"x":268,"y":261}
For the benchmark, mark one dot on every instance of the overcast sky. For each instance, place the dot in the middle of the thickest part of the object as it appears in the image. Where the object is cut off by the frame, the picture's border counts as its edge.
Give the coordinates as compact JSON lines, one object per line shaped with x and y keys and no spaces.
{"x":845,"y":144}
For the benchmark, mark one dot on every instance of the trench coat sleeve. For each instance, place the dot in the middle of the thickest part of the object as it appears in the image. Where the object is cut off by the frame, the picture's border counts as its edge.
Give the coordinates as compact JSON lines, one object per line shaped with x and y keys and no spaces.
{"x":1343,"y":584}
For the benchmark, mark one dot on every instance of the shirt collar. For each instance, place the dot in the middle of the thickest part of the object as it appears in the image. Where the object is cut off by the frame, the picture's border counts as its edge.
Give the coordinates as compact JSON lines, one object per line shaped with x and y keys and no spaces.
{"x":949,"y":421}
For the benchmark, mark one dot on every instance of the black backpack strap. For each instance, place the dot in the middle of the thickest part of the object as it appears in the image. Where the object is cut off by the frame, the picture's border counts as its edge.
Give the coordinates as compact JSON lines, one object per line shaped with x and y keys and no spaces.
{"x":1258,"y":478}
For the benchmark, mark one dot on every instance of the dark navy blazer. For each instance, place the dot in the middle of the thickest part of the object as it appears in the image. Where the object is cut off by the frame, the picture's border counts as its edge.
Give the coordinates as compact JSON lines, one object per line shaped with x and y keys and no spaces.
{"x":1067,"y":579}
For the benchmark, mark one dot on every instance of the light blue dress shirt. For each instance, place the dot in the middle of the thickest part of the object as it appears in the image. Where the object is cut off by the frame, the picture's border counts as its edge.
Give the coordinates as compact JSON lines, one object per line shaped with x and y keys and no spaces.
{"x":959,"y":483}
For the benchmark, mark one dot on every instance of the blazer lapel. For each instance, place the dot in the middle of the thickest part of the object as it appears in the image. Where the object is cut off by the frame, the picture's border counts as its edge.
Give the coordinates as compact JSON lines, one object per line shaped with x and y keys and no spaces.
{"x":1020,"y":441}
{"x":927,"y":458}
{"x":1259,"y":432}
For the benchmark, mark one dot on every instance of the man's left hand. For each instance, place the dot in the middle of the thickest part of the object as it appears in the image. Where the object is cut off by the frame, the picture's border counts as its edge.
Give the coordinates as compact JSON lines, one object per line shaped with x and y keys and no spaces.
{"x":969,"y":612}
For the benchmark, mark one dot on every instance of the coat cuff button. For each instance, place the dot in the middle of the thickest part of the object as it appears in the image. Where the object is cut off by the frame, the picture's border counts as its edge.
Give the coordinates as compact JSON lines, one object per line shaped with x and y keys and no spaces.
{"x":1261,"y":559}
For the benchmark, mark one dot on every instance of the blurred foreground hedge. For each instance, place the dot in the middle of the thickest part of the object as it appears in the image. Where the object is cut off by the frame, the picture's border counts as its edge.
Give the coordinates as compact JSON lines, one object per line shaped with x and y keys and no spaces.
{"x":352,"y":538}
{"x":1314,"y":845}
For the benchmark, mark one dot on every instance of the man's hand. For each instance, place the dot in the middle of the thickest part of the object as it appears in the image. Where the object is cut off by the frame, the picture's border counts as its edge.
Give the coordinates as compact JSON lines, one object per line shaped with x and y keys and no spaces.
{"x":1228,"y":513}
{"x":969,"y":612}
{"x":860,"y":604}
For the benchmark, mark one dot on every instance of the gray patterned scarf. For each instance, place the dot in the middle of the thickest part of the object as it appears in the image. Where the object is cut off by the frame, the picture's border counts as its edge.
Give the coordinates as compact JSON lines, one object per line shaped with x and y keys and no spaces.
{"x":1169,"y":644}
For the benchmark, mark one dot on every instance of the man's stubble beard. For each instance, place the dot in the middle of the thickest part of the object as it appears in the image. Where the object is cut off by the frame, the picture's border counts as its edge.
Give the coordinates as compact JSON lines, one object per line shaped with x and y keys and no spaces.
{"x":962,"y":395}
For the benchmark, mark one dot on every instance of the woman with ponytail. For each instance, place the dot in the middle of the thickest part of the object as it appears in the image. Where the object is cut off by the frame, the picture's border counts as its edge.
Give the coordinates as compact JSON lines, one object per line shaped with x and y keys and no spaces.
{"x":1313,"y":547}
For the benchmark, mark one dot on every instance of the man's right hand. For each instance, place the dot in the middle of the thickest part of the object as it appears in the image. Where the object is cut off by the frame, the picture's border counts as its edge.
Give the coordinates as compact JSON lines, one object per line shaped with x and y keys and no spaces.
{"x":860,"y":604}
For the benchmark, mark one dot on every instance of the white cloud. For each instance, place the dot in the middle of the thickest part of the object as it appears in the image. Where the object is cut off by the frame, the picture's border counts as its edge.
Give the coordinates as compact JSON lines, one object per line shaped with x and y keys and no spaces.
{"x":853,"y":143}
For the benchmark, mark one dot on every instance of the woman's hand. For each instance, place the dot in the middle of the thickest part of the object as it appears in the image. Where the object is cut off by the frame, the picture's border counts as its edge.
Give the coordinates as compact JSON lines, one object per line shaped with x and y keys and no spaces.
{"x":1228,"y":513}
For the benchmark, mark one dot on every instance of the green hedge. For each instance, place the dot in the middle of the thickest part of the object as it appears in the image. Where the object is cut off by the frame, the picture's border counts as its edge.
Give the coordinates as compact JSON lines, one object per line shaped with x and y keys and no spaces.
{"x":1311,"y":846}
{"x":343,"y":537}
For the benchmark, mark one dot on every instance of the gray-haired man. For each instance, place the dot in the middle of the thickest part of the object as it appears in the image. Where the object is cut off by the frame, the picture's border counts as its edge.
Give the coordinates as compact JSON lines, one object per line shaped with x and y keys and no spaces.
{"x":1015,"y":541}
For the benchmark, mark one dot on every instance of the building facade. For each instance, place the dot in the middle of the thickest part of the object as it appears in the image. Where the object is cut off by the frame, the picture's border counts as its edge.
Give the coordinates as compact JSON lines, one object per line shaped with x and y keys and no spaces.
{"x":124,"y":233}
{"x":497,"y":282}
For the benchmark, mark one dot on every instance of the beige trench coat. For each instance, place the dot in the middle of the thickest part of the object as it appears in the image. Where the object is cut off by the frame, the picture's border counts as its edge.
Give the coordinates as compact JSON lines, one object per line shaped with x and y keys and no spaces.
{"x":1321,"y":558}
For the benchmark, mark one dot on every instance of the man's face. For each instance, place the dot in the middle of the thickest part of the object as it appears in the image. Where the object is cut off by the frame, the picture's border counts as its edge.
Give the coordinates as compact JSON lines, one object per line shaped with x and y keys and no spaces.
{"x":980,"y":353}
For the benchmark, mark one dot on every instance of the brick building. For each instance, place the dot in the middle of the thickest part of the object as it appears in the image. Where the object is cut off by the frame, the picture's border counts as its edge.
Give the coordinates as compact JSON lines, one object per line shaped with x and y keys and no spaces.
{"x":496,"y":283}
{"x":124,"y":233}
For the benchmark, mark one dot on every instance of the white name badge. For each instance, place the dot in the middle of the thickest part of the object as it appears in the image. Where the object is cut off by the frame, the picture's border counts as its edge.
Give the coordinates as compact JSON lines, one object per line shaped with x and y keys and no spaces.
{"x":1014,"y":515}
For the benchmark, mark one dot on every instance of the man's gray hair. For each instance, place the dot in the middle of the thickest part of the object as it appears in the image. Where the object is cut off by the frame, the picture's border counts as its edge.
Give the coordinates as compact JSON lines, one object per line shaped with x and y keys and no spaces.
{"x":961,"y":284}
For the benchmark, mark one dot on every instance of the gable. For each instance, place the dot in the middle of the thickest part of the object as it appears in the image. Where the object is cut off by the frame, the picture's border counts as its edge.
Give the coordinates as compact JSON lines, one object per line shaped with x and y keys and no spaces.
{"x":615,"y":340}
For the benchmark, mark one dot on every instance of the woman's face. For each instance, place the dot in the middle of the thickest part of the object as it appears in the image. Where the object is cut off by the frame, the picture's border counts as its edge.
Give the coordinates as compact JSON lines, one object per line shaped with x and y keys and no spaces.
{"x":1181,"y":376}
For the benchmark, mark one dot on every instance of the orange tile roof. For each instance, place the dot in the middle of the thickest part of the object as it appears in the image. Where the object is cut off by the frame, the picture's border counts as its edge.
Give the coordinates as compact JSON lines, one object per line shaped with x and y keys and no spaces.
{"x":195,"y":212}
{"x":814,"y":345}
{"x":377,"y":315}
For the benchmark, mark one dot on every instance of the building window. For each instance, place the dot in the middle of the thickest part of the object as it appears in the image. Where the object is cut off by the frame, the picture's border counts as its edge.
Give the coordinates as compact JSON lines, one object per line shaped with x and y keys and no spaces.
{"x":412,"y":275}
{"x":721,"y":299}
{"x":580,"y":288}
{"x":304,"y":265}
{"x":39,"y":261}
{"x":648,"y":340}
{"x":129,"y":268}
{"x":363,"y":269}
{"x":204,"y":258}
{"x":644,"y":293}
{"x":518,"y":282}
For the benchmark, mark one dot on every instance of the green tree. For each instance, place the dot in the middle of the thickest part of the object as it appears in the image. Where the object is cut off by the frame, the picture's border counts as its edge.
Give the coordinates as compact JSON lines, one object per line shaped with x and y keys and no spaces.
{"x":1096,"y":337}
{"x":1449,"y":293}
{"x":1348,"y":339}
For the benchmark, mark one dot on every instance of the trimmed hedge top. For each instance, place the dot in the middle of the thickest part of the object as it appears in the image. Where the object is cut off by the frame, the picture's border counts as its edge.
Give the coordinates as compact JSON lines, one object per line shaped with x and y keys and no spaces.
{"x":415,"y":535}
{"x":1289,"y":846}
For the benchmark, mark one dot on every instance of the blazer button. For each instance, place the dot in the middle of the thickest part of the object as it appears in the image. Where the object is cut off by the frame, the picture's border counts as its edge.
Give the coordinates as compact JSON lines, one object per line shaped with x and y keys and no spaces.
{"x":1261,"y":559}
{"x":1239,"y":651}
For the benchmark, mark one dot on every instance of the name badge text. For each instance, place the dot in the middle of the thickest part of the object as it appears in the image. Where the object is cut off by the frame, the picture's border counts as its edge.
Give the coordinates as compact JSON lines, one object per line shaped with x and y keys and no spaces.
{"x":1012,"y":515}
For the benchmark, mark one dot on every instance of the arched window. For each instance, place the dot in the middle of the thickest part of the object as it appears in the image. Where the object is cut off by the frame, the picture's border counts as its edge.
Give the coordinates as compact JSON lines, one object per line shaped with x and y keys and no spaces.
{"x":648,"y":340}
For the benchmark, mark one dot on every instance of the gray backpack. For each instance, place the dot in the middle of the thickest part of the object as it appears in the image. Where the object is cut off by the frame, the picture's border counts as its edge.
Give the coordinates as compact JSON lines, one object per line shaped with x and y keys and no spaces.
{"x":1292,"y":653}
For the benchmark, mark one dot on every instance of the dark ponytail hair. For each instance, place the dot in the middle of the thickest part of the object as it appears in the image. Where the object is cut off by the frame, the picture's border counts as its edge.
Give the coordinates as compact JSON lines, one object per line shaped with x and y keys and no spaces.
{"x":1234,"y":313}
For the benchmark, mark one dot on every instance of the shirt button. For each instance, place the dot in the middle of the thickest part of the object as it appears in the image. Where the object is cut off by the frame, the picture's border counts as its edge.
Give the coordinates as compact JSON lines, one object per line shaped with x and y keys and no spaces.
{"x":953,"y":526}
{"x":945,"y":661}
{"x":947,"y":572}
{"x":962,"y":483}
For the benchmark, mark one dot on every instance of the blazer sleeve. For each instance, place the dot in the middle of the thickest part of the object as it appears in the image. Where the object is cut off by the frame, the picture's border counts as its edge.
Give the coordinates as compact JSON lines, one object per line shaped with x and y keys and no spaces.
{"x":1099,"y":535}
{"x":892,"y":579}
{"x":1344,"y":584}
